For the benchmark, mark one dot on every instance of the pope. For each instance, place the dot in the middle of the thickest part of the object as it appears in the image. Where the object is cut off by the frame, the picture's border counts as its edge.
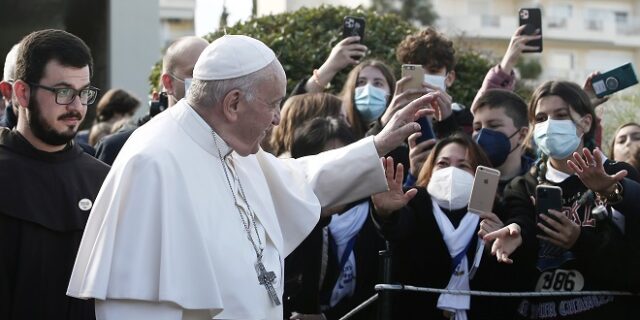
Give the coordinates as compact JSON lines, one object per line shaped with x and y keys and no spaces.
{"x":194,"y":220}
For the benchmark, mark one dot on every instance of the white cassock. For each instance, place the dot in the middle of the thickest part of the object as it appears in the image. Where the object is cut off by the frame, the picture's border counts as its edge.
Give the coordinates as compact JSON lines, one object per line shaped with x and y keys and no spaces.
{"x":165,"y":239}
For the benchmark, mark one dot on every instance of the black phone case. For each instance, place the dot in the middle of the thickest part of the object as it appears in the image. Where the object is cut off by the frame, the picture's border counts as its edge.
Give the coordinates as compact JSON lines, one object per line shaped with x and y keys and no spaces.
{"x":532,"y":18}
{"x":353,"y":26}
{"x":614,"y":80}
{"x":547,"y":198}
{"x":426,"y":129}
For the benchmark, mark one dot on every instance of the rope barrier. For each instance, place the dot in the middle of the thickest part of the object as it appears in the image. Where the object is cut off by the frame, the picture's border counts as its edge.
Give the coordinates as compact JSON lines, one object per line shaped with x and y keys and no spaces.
{"x":400,"y":287}
{"x":360,"y":307}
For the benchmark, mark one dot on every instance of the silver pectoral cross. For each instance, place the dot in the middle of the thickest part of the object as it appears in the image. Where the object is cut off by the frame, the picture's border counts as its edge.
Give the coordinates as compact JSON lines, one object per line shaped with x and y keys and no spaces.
{"x":266,"y":278}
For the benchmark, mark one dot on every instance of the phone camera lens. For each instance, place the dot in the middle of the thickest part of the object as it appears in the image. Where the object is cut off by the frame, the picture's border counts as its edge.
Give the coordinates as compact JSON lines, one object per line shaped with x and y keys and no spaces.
{"x":611,"y":83}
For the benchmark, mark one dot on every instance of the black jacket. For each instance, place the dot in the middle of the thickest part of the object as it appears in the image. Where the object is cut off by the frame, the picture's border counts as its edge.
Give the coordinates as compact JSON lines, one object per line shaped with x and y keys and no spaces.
{"x":421,"y":258}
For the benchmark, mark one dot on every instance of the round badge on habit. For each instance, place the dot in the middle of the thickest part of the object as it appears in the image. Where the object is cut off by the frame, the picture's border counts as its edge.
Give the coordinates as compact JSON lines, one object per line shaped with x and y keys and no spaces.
{"x":85,"y":204}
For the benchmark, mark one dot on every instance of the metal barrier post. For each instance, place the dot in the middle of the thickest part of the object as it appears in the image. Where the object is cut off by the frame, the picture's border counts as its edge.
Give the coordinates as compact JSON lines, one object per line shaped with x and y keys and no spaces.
{"x":384,"y":304}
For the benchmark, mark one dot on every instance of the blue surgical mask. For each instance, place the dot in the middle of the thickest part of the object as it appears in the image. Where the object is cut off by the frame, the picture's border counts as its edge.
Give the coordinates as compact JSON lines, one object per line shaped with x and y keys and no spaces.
{"x":436,"y":81}
{"x":556,"y":138}
{"x":370,"y":102}
{"x":495,"y":144}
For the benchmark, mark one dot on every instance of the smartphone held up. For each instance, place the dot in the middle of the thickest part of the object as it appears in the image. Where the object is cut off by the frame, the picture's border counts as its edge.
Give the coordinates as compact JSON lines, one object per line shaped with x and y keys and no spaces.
{"x":353,"y":26}
{"x":483,"y":192}
{"x":614,"y":80}
{"x":531,"y":18}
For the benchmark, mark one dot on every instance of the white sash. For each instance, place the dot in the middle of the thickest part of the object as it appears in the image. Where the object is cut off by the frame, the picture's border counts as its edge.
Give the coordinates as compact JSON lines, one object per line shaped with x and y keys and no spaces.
{"x":457,"y":241}
{"x":343,"y":228}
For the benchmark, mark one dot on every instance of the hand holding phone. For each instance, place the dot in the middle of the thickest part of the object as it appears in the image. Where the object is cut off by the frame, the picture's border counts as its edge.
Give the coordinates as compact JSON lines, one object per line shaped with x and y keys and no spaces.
{"x":531,"y":18}
{"x":426,"y":130}
{"x":548,"y":197}
{"x":614,"y":80}
{"x":483,"y":192}
{"x":417,"y":76}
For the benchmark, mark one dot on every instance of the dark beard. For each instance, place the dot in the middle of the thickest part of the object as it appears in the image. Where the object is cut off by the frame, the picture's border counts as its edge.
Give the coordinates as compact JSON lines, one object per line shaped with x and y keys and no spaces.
{"x":43,"y":131}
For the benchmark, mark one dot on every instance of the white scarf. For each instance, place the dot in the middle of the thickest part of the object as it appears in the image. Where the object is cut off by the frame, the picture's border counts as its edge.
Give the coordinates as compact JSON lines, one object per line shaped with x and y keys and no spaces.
{"x":343,"y":228}
{"x":457,"y":241}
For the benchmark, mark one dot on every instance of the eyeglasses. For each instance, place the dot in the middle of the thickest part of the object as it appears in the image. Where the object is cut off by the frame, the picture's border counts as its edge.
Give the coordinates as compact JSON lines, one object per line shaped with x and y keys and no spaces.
{"x":65,"y":96}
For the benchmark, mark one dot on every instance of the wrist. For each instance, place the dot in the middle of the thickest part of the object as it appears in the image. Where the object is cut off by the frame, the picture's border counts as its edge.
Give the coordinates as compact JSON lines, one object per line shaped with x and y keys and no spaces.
{"x":611,"y":195}
{"x":506,"y":66}
{"x":326,"y":72}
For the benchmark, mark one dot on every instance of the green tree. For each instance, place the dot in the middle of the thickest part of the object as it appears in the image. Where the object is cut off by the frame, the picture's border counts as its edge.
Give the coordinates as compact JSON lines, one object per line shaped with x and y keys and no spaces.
{"x":303,"y":40}
{"x":415,"y":11}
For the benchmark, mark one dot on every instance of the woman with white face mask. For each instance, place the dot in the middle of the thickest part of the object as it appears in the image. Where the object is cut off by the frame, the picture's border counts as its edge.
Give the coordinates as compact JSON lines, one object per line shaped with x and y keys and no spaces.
{"x":581,"y":248}
{"x":435,"y":239}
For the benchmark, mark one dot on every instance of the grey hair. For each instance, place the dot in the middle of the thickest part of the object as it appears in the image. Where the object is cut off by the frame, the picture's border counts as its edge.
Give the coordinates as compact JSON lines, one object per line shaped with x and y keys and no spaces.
{"x":208,"y":93}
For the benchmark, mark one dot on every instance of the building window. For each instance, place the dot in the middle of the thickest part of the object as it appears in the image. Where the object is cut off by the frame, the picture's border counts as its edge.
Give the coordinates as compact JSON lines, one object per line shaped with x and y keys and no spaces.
{"x":561,"y":61}
{"x":558,"y":15}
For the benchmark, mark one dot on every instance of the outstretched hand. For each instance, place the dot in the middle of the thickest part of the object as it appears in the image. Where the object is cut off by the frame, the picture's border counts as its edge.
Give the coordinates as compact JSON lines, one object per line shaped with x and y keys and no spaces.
{"x":387,"y":202}
{"x":489,"y":223}
{"x":517,"y":45}
{"x":402,"y":123}
{"x":590,"y":170}
{"x":505,"y":241}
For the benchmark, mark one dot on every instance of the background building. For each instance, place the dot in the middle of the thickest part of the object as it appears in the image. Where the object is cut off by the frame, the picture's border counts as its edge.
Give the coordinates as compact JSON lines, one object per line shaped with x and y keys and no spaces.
{"x":580,"y":36}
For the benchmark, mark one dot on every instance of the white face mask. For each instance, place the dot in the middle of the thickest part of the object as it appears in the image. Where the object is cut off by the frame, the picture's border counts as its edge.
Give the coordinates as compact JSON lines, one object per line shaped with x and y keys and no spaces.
{"x":451,"y":187}
{"x":436,"y":81}
{"x":187,"y":85}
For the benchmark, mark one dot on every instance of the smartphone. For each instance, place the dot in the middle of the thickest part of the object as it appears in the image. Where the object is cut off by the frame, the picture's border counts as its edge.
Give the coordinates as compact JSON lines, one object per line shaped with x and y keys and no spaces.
{"x":417,"y":76}
{"x":532,"y":18}
{"x":614,"y":80}
{"x":353,"y":26}
{"x":160,"y":105}
{"x":426,"y":129}
{"x":483,"y":192}
{"x":548,"y":197}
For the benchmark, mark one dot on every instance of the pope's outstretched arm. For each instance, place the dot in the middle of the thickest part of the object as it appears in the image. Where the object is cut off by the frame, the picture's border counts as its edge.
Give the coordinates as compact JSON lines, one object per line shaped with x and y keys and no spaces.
{"x":354,"y":172}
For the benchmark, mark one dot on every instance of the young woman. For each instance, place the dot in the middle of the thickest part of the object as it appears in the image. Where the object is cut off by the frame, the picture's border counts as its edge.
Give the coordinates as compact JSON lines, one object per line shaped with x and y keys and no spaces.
{"x":366,"y":94}
{"x":434,"y":238}
{"x":625,"y":145}
{"x":582,"y":247}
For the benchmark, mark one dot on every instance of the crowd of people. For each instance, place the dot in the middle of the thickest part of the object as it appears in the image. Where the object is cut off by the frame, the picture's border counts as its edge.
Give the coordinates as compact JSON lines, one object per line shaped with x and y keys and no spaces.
{"x":244,"y":201}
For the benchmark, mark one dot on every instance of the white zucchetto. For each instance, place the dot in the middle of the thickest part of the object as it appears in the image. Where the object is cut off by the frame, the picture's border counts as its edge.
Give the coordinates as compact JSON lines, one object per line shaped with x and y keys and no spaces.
{"x":232,"y":56}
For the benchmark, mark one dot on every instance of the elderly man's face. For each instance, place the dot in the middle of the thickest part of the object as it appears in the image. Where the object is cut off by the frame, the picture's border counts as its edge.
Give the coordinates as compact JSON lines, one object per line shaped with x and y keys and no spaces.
{"x":262,"y":112}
